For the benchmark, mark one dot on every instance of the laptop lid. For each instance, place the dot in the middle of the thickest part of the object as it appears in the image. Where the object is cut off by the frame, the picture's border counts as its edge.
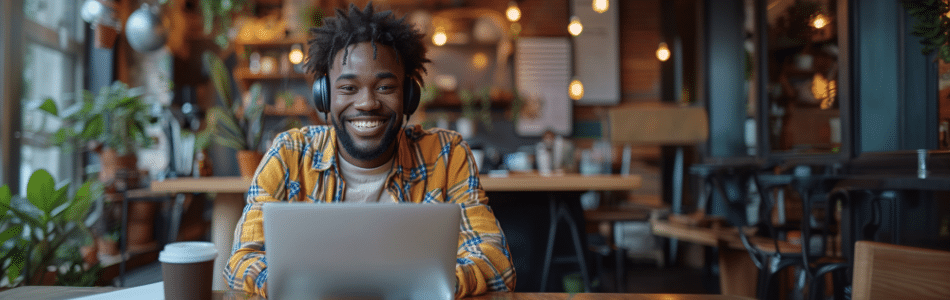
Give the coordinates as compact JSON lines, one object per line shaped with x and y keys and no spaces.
{"x":361,"y":251}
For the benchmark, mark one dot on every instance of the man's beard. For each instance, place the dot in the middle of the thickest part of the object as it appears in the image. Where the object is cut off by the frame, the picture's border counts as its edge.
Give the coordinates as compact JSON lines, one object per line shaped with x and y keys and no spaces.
{"x":389,"y":137}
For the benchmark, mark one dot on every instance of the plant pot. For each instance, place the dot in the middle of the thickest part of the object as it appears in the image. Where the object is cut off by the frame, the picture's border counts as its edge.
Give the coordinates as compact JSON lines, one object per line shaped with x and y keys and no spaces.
{"x":118,"y":172}
{"x":107,"y":246}
{"x":248,"y":161}
{"x":105,"y":36}
{"x":90,"y":253}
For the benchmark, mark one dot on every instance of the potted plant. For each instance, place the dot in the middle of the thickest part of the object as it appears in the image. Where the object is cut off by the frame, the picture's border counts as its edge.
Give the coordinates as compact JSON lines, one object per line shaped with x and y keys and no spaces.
{"x":476,"y":107}
{"x":41,"y":233}
{"x":112,"y":123}
{"x":231,"y":124}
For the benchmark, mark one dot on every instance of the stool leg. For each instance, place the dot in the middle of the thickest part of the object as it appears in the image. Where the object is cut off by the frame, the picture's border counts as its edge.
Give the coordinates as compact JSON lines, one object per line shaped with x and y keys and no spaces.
{"x":621,"y":271}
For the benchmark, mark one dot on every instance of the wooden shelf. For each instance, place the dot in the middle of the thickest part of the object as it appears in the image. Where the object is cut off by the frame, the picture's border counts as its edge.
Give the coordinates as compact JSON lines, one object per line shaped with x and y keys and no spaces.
{"x":451,"y":100}
{"x":245,"y":74}
{"x":274,"y":43}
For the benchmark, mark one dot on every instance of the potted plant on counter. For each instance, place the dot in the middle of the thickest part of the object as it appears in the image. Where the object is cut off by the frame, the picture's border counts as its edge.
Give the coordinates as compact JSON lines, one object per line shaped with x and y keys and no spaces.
{"x":41,"y":233}
{"x":476,"y":107}
{"x":233,"y":124}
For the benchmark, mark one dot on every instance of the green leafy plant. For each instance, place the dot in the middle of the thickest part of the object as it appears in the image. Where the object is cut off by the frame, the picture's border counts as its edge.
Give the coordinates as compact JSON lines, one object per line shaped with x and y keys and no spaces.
{"x":933,"y":26}
{"x":217,"y":15}
{"x":231,"y":124}
{"x":45,"y":229}
{"x":477,"y":106}
{"x":116,"y":118}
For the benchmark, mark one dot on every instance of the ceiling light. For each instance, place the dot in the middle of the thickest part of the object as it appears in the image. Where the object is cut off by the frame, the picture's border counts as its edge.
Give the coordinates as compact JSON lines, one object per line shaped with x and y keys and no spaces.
{"x":576,"y":89}
{"x":439,"y":38}
{"x":513,"y":13}
{"x":296,"y":54}
{"x":663,"y":52}
{"x":600,"y":6}
{"x":575,"y":27}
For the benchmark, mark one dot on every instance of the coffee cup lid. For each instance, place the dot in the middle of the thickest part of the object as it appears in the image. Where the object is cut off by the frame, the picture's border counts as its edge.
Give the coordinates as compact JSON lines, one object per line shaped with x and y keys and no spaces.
{"x":187,"y":252}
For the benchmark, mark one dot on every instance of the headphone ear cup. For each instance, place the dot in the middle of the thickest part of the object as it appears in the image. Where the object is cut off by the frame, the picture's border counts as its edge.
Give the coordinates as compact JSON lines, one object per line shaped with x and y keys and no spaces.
{"x":321,"y":94}
{"x":411,"y":95}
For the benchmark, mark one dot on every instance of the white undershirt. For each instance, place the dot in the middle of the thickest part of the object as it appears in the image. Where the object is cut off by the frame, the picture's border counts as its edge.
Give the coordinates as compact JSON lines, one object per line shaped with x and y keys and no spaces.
{"x":365,"y":185}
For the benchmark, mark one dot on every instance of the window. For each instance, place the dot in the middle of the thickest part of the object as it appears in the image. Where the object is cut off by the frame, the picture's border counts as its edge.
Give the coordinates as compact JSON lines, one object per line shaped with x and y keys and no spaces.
{"x":51,"y":61}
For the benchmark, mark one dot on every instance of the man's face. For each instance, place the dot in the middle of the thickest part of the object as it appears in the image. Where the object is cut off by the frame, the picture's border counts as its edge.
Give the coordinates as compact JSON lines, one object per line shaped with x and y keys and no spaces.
{"x":366,"y":103}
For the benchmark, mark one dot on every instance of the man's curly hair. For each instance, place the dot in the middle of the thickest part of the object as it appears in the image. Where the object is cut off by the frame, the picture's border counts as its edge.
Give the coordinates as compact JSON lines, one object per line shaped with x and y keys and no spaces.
{"x":366,"y":25}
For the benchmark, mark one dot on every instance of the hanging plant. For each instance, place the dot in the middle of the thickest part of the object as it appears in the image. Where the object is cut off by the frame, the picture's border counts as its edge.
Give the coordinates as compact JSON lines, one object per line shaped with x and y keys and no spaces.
{"x":932,"y":25}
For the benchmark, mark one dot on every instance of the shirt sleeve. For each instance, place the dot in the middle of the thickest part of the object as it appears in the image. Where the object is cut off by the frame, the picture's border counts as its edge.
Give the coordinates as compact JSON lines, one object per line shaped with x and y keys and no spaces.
{"x":247,"y":269}
{"x":484,"y":262}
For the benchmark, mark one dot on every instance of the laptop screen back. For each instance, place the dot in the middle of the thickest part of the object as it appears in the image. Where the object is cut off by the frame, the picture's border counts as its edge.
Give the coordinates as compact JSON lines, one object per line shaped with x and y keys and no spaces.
{"x":361,"y":251}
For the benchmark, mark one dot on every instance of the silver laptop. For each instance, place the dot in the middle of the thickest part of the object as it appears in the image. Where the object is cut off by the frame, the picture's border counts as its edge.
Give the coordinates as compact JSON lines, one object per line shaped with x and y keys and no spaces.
{"x":361,"y":251}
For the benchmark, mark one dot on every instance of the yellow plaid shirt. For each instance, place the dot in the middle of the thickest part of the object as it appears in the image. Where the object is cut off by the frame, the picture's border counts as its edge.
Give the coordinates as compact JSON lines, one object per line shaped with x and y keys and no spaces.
{"x":431,"y":166}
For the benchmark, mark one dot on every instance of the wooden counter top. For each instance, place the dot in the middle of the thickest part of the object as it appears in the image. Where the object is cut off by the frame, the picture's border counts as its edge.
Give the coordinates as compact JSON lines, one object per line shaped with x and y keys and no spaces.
{"x":510,"y":183}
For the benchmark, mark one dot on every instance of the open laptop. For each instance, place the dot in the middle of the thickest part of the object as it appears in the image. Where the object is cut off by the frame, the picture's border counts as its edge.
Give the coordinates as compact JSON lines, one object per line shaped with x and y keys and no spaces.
{"x":361,"y":251}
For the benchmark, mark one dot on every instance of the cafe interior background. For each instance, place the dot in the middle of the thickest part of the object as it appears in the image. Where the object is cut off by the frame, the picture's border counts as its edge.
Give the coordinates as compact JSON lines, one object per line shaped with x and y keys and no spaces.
{"x":697,"y":98}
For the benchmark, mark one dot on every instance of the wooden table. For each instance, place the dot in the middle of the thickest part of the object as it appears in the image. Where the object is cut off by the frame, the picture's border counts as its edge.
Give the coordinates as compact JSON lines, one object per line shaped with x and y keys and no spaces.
{"x":737,"y":272}
{"x":63,"y":292}
{"x":229,"y":202}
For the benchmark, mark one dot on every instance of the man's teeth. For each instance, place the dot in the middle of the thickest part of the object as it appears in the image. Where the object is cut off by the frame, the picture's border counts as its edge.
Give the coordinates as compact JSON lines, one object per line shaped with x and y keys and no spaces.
{"x":366,"y":124}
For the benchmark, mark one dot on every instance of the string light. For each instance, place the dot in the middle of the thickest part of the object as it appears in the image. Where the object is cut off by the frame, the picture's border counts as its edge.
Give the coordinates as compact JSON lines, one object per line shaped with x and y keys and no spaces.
{"x":576,"y":89}
{"x":513,"y":13}
{"x":575,"y":27}
{"x":663,"y":52}
{"x":600,"y":6}
{"x":296,"y":54}
{"x":439,"y":38}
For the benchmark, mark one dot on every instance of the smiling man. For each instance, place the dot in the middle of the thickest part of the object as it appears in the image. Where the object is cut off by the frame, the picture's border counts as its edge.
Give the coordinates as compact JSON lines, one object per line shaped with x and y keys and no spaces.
{"x":368,"y":67}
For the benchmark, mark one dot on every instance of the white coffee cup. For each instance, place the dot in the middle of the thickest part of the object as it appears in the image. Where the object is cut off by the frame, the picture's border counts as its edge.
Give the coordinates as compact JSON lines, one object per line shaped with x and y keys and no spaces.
{"x":187,"y":269}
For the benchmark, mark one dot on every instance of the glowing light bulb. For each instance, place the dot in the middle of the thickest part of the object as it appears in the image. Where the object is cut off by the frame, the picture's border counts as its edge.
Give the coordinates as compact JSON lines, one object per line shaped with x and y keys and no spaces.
{"x":296,"y":54}
{"x":513,"y":13}
{"x":575,"y":27}
{"x":663,"y":52}
{"x":819,"y":21}
{"x":479,"y":61}
{"x":600,"y":6}
{"x":576,"y":89}
{"x":439,"y":38}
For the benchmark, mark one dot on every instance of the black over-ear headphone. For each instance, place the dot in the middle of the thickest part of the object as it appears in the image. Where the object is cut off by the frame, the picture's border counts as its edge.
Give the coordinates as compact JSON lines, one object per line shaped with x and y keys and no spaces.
{"x":410,"y":95}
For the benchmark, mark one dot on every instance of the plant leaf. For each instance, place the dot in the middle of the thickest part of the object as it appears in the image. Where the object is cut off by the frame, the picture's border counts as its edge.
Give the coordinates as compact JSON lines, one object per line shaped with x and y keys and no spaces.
{"x":89,"y":191}
{"x":59,"y":197}
{"x":49,"y":106}
{"x":93,"y":128}
{"x":40,"y":189}
{"x":219,"y":77}
{"x":230,"y":143}
{"x":16,"y":264}
{"x":202,"y":140}
{"x":11,"y":232}
{"x":5,"y":198}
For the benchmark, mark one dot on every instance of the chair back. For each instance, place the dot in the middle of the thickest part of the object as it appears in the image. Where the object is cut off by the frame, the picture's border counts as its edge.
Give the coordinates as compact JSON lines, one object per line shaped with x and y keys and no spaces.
{"x":885,"y":271}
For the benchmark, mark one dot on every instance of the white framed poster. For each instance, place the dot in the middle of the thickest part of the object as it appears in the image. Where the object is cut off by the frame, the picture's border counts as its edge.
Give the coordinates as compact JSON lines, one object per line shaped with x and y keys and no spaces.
{"x":542,"y":74}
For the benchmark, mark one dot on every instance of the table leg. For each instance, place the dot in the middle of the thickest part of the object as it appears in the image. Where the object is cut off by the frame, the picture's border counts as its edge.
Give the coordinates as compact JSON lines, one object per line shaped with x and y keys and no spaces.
{"x":226,"y":212}
{"x":559,"y":210}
